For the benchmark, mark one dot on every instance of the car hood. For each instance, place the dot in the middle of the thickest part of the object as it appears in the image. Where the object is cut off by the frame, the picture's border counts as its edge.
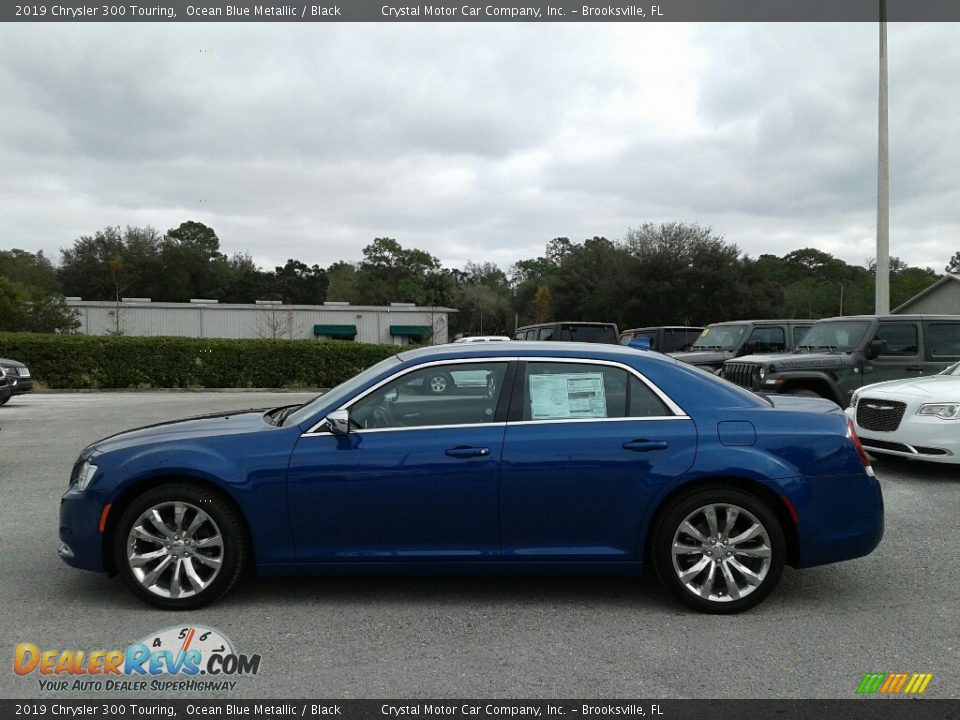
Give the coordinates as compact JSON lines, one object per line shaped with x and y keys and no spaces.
{"x":205,"y":426}
{"x":798,"y":361}
{"x":702,"y":357}
{"x":941,"y":387}
{"x":802,"y":403}
{"x":11,"y":363}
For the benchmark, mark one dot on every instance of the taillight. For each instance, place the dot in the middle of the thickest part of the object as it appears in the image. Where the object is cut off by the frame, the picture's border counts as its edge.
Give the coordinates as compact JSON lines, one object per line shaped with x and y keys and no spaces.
{"x":864,"y":458}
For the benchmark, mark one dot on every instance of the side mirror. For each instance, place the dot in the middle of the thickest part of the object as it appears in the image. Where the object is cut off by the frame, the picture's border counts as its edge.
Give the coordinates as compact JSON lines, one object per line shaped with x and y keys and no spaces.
{"x":874,"y":348}
{"x":339,"y":422}
{"x":391,"y":396}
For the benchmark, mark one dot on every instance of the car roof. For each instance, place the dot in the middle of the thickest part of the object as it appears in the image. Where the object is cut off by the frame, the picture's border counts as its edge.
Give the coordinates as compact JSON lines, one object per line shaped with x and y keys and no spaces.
{"x":763,"y":322}
{"x":892,"y":317}
{"x":567,"y":322}
{"x":532,"y":348}
{"x":664,"y":327}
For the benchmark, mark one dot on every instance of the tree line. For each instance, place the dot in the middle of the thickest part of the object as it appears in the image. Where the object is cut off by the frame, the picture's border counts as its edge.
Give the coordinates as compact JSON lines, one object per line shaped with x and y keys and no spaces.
{"x":666,"y":274}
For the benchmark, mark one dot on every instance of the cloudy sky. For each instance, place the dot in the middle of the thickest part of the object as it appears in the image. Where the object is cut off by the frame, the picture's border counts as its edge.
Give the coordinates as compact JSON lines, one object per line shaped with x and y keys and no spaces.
{"x":478,"y":142}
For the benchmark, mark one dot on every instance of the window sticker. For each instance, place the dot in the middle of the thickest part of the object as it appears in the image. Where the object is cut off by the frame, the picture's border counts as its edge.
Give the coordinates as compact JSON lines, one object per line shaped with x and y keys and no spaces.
{"x":567,"y":395}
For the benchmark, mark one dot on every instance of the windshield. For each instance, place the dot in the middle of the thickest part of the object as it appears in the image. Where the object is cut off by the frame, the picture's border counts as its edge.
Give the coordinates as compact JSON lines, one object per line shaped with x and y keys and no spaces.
{"x":952,"y":370}
{"x":842,"y":335}
{"x":720,"y":337}
{"x":340,"y":392}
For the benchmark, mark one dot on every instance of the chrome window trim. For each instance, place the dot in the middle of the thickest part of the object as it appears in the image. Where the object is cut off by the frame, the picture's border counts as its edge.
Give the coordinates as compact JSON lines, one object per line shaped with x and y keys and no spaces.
{"x":678,"y":413}
{"x":454,"y":361}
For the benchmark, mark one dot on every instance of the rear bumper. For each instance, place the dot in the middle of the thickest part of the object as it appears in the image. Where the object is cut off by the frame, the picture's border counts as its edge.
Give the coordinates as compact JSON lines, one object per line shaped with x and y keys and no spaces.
{"x":81,"y":543}
{"x":841,"y":518}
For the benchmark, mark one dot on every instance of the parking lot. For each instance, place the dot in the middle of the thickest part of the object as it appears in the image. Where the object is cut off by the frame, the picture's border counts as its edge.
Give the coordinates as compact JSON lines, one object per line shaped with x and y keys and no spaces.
{"x":823,"y":628}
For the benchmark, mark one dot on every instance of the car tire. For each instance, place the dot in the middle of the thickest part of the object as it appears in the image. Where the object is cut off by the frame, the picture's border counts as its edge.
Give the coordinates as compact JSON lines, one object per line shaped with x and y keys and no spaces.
{"x":694,"y":558}
{"x":180,"y":546}
{"x":5,"y":400}
{"x":437,"y":383}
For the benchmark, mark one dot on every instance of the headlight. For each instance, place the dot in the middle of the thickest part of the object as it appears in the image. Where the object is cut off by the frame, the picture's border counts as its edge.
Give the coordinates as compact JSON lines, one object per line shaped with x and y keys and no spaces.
{"x":944,"y":411}
{"x":854,"y":399}
{"x":24,"y":371}
{"x":763,"y":372}
{"x":86,"y":475}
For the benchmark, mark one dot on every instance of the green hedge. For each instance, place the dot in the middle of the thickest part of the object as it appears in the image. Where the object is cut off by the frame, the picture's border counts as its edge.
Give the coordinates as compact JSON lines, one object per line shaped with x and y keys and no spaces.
{"x":84,"y":361}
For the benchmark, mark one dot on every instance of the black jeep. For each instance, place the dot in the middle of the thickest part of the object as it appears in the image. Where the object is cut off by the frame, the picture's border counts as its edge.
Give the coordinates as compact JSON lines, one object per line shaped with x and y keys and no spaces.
{"x":722,"y":341}
{"x":841,"y":354}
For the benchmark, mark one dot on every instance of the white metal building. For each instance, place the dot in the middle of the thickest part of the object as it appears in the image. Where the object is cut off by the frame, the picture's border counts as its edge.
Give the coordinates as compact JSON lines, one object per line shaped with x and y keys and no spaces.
{"x":396,"y":324}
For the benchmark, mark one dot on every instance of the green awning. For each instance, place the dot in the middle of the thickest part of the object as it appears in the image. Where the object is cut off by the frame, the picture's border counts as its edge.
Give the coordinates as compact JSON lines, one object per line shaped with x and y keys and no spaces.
{"x":346,"y":331}
{"x":410,"y":330}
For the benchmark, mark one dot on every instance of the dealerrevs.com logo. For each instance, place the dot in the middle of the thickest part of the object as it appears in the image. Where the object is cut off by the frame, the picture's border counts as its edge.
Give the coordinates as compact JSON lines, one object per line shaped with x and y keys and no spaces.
{"x":176,"y":659}
{"x":894,"y":683}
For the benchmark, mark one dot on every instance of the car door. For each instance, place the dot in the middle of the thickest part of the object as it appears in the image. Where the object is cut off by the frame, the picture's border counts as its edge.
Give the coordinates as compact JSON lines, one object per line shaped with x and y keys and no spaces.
{"x":898,"y":354}
{"x":587,"y":446}
{"x":415,"y":478}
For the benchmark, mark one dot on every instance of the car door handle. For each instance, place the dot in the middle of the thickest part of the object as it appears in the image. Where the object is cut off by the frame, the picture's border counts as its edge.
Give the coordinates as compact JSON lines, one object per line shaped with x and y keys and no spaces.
{"x":467,"y":452}
{"x":645,"y":445}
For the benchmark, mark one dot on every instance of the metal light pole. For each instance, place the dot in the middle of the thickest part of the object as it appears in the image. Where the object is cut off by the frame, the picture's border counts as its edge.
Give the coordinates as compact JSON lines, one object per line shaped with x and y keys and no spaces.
{"x":883,"y":180}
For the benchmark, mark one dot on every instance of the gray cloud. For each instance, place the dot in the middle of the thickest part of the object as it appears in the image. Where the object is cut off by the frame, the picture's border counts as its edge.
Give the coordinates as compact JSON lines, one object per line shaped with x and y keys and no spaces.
{"x":477,"y":142}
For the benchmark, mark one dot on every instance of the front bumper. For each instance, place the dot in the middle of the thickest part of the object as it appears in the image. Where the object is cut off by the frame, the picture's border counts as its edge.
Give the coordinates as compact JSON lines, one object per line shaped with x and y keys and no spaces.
{"x":20,"y":385}
{"x":917,"y":438}
{"x":81,"y":542}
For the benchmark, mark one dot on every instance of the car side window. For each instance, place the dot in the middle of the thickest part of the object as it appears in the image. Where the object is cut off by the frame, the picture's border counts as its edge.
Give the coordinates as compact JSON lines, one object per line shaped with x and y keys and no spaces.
{"x":451,"y":394}
{"x":896,"y":339}
{"x":798,"y":332}
{"x":943,"y":341}
{"x":571,"y":391}
{"x":766,"y":340}
{"x":545,"y":334}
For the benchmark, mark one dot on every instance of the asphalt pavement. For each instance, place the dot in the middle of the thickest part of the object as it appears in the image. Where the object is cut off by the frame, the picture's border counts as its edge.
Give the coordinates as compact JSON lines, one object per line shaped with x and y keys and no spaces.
{"x":897,"y":610}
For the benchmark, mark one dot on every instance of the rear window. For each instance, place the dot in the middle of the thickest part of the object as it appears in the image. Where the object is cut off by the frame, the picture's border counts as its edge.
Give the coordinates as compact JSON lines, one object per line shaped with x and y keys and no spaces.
{"x":943,"y":341}
{"x":589,"y":333}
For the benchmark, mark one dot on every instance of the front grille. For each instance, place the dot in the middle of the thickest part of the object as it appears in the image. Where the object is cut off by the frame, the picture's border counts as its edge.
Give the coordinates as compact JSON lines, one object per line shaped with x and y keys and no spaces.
{"x":879,"y":415}
{"x":739,"y":373}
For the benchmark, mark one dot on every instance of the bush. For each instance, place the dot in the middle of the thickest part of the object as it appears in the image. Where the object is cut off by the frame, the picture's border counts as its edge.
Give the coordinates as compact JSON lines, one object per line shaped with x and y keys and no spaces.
{"x":84,"y":361}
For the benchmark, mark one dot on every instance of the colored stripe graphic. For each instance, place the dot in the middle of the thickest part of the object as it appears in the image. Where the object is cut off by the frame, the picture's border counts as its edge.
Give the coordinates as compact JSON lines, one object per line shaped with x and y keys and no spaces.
{"x":894,"y":683}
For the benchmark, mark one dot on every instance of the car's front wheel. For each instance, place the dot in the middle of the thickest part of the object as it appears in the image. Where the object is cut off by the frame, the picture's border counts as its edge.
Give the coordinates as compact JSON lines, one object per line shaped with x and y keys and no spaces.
{"x":180,"y":546}
{"x":720,"y":550}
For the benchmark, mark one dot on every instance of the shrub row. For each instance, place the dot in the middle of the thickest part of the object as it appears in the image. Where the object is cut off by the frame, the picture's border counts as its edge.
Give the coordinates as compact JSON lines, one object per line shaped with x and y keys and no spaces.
{"x":84,"y":361}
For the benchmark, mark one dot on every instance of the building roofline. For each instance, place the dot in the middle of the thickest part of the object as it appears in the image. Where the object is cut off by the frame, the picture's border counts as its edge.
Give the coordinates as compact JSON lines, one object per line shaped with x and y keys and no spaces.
{"x":923,"y":293}
{"x":254,"y":306}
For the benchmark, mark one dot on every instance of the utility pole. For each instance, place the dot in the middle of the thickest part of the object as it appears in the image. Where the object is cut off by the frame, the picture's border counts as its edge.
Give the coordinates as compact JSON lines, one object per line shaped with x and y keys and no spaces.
{"x":883,"y":180}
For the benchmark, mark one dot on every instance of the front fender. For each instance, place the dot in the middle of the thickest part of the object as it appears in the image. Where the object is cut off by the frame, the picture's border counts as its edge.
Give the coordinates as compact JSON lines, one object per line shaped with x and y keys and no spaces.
{"x":793,"y":379}
{"x":251,"y":470}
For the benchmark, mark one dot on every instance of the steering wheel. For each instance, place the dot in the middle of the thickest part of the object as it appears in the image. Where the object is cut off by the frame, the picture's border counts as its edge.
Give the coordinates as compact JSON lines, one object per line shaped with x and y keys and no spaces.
{"x":379,"y":417}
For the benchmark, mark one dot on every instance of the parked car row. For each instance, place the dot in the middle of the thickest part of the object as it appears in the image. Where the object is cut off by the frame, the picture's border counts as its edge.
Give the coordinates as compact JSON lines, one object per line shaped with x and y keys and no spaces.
{"x":895,"y":374}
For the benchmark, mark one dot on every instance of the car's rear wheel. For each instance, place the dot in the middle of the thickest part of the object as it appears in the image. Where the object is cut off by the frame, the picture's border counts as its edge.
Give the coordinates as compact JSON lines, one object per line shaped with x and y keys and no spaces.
{"x":437,"y":383}
{"x":180,"y":546}
{"x":720,"y":550}
{"x":4,"y":399}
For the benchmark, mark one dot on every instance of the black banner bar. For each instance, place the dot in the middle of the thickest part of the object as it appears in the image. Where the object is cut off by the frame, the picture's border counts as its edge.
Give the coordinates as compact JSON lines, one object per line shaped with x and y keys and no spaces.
{"x":492,"y":11}
{"x":858,"y":709}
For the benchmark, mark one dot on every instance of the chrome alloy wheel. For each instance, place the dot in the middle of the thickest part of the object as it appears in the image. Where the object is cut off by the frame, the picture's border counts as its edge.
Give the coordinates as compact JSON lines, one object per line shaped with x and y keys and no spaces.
{"x":174,"y":549}
{"x":721,"y":552}
{"x":438,"y":384}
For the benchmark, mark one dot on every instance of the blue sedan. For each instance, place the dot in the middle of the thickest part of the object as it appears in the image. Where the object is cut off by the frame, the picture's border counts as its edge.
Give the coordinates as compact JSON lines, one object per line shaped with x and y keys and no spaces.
{"x":568,"y":458}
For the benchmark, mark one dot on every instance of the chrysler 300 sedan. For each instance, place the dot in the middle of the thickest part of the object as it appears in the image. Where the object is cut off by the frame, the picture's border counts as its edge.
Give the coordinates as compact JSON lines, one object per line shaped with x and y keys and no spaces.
{"x":571,"y":458}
